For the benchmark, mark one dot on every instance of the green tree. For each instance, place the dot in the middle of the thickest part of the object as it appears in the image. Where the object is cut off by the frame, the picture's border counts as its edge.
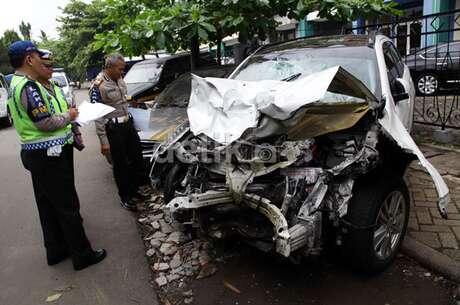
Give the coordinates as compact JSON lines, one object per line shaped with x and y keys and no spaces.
{"x":9,"y":36}
{"x":148,"y":25}
{"x":43,"y":36}
{"x":77,"y":26}
{"x":25,"y":29}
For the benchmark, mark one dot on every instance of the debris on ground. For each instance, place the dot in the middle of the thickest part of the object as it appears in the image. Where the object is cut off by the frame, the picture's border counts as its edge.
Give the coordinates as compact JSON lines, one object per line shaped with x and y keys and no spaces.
{"x":231,"y":287}
{"x":53,"y":298}
{"x":175,"y":257}
{"x":64,"y":288}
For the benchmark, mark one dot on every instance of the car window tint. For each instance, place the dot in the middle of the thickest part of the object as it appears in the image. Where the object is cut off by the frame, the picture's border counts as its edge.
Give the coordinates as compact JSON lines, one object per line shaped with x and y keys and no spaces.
{"x":391,"y":62}
{"x":176,"y":66}
{"x":397,"y":59}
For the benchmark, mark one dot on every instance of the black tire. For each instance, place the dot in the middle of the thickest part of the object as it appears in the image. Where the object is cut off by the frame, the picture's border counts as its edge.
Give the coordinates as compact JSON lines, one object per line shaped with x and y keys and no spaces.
{"x":173,"y":180}
{"x":363,"y":211}
{"x":425,"y":90}
{"x":8,"y":120}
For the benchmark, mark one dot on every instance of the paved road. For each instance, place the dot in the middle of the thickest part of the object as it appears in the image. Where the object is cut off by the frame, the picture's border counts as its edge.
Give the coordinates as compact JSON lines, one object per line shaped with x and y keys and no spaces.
{"x":123,"y":278}
{"x":265,"y":280}
{"x":25,"y":279}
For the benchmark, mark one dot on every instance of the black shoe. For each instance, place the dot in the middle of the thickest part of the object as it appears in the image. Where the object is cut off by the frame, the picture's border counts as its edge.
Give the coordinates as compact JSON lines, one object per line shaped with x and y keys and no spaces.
{"x":82,"y":261}
{"x":58,"y":257}
{"x":129,"y":205}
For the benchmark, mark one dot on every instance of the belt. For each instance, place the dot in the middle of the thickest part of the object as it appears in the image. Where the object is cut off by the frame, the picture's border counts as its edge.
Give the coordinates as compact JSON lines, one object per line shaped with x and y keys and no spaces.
{"x":120,"y":119}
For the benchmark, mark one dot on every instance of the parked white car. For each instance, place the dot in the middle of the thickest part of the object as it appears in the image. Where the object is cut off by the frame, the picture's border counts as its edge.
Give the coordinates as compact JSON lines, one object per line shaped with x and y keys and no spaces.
{"x":61,"y":79}
{"x":304,"y":146}
{"x":4,"y":116}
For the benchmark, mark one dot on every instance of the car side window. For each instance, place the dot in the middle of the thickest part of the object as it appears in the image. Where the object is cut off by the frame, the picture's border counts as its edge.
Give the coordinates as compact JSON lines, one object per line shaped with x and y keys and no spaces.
{"x":396,"y":58}
{"x":395,"y":67}
{"x":390,"y":63}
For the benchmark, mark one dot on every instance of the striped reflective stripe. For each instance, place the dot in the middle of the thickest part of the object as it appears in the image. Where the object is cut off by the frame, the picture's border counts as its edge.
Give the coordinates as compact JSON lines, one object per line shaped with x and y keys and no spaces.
{"x":47,"y":143}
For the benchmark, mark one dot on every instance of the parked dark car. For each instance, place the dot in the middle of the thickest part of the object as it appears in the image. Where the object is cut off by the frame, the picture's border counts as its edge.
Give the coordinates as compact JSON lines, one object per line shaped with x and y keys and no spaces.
{"x":170,"y":110}
{"x":146,"y":79}
{"x":436,"y":68}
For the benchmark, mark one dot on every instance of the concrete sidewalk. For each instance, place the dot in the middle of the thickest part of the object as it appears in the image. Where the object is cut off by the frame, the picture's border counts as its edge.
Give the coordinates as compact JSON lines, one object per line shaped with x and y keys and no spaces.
{"x":425,"y":223}
{"x":25,"y":279}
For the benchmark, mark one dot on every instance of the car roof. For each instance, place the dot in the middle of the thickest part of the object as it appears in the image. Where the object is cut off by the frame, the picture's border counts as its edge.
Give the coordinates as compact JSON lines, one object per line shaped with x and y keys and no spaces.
{"x":161,"y":60}
{"x":320,"y":42}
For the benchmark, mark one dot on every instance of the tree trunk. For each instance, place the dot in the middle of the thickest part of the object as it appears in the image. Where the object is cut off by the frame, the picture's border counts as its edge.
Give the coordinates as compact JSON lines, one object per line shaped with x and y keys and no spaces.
{"x":194,"y":53}
{"x":219,"y":50}
{"x":143,"y":57}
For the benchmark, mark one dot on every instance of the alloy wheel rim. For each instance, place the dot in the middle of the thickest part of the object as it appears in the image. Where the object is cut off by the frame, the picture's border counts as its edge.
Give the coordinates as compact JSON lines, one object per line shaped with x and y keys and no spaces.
{"x":389,"y":225}
{"x":427,"y":84}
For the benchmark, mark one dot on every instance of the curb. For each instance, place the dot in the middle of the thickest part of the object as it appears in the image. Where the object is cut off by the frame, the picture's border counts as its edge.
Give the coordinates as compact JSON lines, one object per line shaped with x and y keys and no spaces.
{"x":431,"y":259}
{"x":440,"y":147}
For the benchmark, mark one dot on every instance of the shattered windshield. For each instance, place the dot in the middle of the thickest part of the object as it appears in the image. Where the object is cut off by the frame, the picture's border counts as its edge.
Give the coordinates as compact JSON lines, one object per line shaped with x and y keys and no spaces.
{"x":359,"y":61}
{"x":144,"y":73}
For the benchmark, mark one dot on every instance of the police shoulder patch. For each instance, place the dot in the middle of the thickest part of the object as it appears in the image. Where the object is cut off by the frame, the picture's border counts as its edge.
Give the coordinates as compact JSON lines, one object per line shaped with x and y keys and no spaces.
{"x":97,"y":82}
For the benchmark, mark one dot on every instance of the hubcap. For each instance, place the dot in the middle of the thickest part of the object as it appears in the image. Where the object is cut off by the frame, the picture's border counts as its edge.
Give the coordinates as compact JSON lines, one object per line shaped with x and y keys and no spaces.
{"x":390,"y":225}
{"x":427,"y":84}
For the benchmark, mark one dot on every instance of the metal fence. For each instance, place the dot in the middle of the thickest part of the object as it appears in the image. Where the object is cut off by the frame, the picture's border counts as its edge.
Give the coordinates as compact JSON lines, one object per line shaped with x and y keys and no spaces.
{"x":430,"y":46}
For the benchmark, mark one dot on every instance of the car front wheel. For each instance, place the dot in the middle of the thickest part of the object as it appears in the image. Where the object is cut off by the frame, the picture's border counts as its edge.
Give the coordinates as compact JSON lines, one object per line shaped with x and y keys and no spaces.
{"x":377,"y":216}
{"x":427,"y":84}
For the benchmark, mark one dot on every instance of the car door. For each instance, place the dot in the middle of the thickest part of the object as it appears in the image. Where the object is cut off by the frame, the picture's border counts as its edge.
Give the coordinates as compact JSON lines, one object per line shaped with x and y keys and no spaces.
{"x":396,"y":80}
{"x":450,"y":62}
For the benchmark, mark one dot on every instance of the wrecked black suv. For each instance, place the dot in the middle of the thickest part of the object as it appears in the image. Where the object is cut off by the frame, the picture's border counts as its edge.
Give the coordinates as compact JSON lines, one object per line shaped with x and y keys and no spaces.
{"x":304,"y":144}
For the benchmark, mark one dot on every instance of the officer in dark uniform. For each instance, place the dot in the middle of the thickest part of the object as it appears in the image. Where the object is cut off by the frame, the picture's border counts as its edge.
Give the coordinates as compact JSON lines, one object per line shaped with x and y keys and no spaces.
{"x":118,"y":137}
{"x":42,"y":120}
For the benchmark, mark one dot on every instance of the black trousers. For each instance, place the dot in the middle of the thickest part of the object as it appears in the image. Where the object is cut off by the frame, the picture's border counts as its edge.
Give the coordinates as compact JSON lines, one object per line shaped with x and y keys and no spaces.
{"x":57,"y":201}
{"x":126,"y":152}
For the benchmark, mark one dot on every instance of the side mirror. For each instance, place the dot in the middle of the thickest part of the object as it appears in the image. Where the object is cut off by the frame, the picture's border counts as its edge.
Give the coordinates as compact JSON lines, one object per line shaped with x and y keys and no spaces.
{"x":401,"y":90}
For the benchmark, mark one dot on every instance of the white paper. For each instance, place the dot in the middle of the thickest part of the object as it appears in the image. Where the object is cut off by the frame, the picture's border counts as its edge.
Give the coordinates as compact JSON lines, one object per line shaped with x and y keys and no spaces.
{"x":88,"y":112}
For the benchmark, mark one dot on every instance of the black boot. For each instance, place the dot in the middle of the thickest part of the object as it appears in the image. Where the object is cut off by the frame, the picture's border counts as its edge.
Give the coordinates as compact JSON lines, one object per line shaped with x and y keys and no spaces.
{"x":87,"y":259}
{"x":129,"y":204}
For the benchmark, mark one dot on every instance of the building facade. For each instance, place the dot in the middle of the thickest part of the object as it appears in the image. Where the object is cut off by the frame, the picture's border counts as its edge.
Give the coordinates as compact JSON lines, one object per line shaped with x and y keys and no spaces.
{"x":421,"y":25}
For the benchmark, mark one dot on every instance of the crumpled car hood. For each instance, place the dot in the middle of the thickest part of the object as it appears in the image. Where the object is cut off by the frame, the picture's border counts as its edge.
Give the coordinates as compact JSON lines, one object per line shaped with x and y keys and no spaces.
{"x":224,"y":109}
{"x":234,"y":106}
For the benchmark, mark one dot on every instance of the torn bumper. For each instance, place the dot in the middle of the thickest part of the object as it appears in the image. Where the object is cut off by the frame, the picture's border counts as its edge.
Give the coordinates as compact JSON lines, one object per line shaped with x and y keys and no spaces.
{"x":286,"y":240}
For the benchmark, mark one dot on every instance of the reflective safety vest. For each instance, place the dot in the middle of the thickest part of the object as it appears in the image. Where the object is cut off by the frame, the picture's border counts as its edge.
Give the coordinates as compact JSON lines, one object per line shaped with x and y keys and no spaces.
{"x":31,"y":137}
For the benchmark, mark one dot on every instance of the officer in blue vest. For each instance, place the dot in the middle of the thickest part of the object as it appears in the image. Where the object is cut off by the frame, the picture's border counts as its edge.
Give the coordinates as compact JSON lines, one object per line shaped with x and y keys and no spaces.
{"x":42,"y":119}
